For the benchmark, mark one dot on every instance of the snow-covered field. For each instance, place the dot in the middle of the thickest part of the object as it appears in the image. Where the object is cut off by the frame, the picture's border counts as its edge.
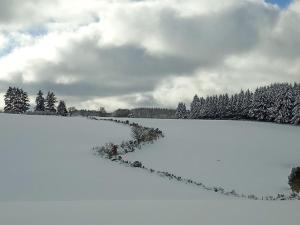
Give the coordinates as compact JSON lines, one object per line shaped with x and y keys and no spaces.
{"x":44,"y":158}
{"x":249,"y":157}
{"x":49,"y":175}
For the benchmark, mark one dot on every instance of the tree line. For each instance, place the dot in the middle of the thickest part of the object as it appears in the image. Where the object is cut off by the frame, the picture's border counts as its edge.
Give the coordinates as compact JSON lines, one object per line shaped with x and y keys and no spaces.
{"x":159,"y":113}
{"x":278,"y":102}
{"x":16,"y":101}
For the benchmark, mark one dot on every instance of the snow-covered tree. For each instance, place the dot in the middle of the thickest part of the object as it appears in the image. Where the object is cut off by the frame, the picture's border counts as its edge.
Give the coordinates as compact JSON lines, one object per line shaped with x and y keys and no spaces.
{"x":277,"y":102}
{"x":259,"y":108}
{"x":246,"y":105}
{"x":239,"y":104}
{"x":8,"y":100}
{"x":40,"y":102}
{"x":25,"y":102}
{"x":296,"y":111}
{"x":16,"y":100}
{"x":284,"y":103}
{"x":195,"y":108}
{"x":50,"y":102}
{"x":181,"y":112}
{"x":62,"y":109}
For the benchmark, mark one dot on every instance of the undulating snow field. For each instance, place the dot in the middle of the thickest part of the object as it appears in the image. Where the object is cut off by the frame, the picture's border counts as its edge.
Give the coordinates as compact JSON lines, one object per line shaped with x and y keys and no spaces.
{"x":49,"y":175}
{"x":249,"y":157}
{"x":49,"y":158}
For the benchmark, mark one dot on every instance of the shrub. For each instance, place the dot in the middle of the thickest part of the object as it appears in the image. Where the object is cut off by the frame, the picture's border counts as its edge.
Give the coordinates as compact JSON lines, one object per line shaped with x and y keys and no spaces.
{"x":108,"y":150}
{"x":137,"y":164}
{"x":294,"y":179}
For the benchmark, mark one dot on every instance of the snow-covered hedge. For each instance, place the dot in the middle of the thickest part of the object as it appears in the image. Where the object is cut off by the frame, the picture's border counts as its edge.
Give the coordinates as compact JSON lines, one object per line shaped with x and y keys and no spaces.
{"x":144,"y":135}
{"x":141,"y":135}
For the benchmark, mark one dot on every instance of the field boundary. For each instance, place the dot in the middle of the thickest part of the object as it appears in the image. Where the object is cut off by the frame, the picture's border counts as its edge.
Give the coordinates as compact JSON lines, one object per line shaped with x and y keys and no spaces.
{"x":110,"y":152}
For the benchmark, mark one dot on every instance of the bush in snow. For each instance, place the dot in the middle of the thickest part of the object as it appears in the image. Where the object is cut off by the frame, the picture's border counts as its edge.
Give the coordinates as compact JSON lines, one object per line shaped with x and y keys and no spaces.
{"x":294,"y":179}
{"x":108,"y":150}
{"x":137,"y":164}
{"x":137,"y":133}
{"x":145,"y":134}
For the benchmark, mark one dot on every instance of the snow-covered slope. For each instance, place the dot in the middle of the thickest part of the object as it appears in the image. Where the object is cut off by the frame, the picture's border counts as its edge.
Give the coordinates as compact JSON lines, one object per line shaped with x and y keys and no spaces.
{"x":50,"y":158}
{"x":249,"y":157}
{"x":150,"y":213}
{"x":49,"y":175}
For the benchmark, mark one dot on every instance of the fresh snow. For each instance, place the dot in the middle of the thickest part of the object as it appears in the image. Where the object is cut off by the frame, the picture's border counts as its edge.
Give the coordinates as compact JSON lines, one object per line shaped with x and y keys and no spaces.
{"x":249,"y":157}
{"x":150,"y":213}
{"x":49,"y":174}
{"x":49,"y":158}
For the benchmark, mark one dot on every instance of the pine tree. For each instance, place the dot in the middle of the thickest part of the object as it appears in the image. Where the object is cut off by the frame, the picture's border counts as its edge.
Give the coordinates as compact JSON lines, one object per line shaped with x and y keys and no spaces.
{"x":50,"y":102}
{"x":259,"y":109}
{"x":195,"y":108}
{"x":181,"y":112}
{"x":230,"y":110}
{"x":247,"y":102}
{"x":62,"y":109}
{"x":279,"y":102}
{"x":296,"y":111}
{"x":239,"y":104}
{"x":40,"y":102}
{"x":24,"y":101}
{"x":8,"y":100}
{"x":284,"y":105}
{"x":224,"y":101}
{"x":16,"y":101}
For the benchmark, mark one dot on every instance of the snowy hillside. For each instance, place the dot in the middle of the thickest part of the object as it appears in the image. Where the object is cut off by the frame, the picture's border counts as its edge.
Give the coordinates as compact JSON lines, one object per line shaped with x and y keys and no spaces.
{"x":49,"y":174}
{"x":249,"y":157}
{"x":50,"y":158}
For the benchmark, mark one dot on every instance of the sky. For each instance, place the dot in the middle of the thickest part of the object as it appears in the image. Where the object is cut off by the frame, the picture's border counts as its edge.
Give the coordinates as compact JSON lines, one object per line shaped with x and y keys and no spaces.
{"x":280,"y":3}
{"x":137,"y":53}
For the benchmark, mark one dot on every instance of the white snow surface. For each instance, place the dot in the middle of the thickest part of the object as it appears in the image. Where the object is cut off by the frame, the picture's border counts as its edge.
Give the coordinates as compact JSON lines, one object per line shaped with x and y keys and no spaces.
{"x":49,"y":175}
{"x":49,"y":158}
{"x":206,"y":212}
{"x":249,"y":157}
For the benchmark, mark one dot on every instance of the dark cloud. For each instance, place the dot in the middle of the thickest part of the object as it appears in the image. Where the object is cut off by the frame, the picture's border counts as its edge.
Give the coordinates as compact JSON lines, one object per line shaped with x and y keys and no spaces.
{"x":102,"y":71}
{"x":24,"y":12}
{"x":92,"y":63}
{"x":107,"y":71}
{"x":209,"y":38}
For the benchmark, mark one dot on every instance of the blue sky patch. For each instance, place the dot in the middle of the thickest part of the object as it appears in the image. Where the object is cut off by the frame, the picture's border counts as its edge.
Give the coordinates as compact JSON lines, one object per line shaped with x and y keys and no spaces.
{"x":280,"y":3}
{"x":34,"y":31}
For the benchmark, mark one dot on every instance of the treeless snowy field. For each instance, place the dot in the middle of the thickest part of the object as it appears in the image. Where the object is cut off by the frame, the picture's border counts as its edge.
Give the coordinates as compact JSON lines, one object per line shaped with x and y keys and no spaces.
{"x":249,"y":157}
{"x":49,"y":174}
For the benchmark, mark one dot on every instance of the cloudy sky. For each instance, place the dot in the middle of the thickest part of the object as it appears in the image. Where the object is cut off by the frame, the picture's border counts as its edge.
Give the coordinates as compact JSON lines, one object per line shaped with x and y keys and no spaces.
{"x":130,"y":53}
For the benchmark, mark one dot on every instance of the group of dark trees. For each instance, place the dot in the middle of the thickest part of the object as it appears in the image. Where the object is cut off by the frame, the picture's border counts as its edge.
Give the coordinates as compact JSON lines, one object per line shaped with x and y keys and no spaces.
{"x":159,"y":113}
{"x":279,"y":102}
{"x":47,"y":105}
{"x":17,"y":101}
{"x":84,"y":112}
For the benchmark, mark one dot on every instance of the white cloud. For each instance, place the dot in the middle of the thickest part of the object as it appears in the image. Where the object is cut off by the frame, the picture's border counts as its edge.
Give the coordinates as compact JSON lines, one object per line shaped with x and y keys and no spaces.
{"x":130,"y":53}
{"x":3,"y":41}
